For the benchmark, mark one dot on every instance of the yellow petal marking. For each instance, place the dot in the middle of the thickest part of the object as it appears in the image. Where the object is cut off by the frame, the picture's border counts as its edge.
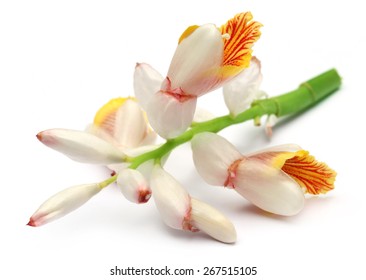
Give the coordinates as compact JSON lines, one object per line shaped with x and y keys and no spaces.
{"x":187,"y":32}
{"x":105,"y":117}
{"x":243,"y":34}
{"x":313,"y":176}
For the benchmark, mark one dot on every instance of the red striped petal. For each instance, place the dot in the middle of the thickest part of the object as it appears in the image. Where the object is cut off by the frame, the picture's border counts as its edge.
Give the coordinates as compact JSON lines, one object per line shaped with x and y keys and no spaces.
{"x":314,"y":176}
{"x":243,"y":34}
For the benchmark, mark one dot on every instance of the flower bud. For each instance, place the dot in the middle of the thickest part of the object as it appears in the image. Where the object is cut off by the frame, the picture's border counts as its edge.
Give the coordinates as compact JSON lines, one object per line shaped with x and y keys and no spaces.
{"x":63,"y":203}
{"x":81,"y":146}
{"x":133,"y":186}
{"x":262,"y":177}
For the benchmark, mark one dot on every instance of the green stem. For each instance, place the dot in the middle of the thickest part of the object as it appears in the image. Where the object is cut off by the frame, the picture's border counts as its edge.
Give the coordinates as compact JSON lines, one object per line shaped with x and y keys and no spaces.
{"x":108,"y":181}
{"x":306,"y":95}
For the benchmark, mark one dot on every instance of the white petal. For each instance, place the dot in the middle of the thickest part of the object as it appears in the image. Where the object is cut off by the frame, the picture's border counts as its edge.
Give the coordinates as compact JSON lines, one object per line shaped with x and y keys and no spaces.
{"x":278,"y":148}
{"x":195,"y":57}
{"x":63,"y":203}
{"x":212,"y":222}
{"x":101,"y":133}
{"x":124,"y":124}
{"x":130,"y":125}
{"x":202,"y":115}
{"x":241,"y":91}
{"x":168,"y":116}
{"x":146,"y":82}
{"x":133,"y":186}
{"x":149,"y":138}
{"x":268,"y":188}
{"x":118,"y":167}
{"x":171,"y":199}
{"x":140,"y":150}
{"x":81,"y":146}
{"x":212,"y":156}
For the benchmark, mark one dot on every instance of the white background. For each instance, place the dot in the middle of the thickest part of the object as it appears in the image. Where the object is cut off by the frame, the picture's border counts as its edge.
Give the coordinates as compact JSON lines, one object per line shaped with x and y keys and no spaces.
{"x":61,"y":60}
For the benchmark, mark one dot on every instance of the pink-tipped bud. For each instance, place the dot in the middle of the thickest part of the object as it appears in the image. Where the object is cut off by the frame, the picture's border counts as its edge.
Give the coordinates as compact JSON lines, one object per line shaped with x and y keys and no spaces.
{"x":63,"y":203}
{"x":81,"y":146}
{"x":134,"y":186}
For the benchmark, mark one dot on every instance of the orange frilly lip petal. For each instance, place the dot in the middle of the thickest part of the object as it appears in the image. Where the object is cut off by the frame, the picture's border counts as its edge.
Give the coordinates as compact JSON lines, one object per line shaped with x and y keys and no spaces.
{"x":313,"y":176}
{"x":242,"y":32}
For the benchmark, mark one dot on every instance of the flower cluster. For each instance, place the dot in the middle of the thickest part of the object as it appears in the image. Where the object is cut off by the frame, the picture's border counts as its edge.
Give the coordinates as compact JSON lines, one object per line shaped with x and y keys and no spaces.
{"x":123,"y":134}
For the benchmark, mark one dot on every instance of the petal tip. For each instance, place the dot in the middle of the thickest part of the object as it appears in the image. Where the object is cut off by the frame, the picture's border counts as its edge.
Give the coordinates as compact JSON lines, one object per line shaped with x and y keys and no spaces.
{"x":46,"y":137}
{"x":208,"y":219}
{"x":144,"y":196}
{"x":31,"y":223}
